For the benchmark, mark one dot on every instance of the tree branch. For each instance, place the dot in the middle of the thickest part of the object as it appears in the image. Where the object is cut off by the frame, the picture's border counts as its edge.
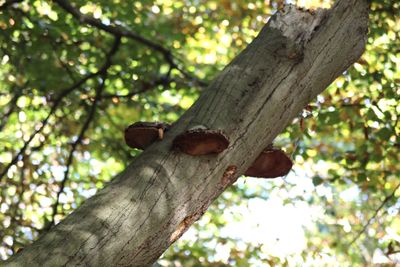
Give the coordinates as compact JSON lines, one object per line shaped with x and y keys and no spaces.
{"x":387,"y":198}
{"x":58,"y":101}
{"x":62,"y":63}
{"x":84,"y":128}
{"x":145,"y":86}
{"x":74,"y":147}
{"x":9,"y":3}
{"x":115,"y":30}
{"x":121,"y":31}
{"x":12,"y":104}
{"x":146,"y":208}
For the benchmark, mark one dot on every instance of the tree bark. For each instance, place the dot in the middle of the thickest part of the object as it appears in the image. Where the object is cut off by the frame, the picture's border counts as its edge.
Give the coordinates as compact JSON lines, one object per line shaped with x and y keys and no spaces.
{"x":151,"y":204}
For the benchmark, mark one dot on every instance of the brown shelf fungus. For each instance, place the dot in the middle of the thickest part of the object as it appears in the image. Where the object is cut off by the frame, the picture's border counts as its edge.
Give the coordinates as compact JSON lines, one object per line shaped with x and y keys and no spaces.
{"x":271,"y":163}
{"x":142,"y":134}
{"x":200,"y":141}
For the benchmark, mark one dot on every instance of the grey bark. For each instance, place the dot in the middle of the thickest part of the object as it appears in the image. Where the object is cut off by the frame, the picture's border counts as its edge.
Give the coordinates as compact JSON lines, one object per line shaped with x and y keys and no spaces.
{"x":144,"y":210}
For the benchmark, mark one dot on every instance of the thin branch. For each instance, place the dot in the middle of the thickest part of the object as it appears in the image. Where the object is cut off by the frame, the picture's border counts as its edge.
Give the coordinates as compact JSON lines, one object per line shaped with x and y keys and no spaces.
{"x":145,"y":86}
{"x":61,"y":62}
{"x":81,"y":135}
{"x":58,"y":101}
{"x":12,"y":104}
{"x":116,"y":30}
{"x":53,"y":43}
{"x":192,"y":77}
{"x":121,"y":31}
{"x":74,"y":147}
{"x":394,"y":252}
{"x":387,"y":198}
{"x":390,"y":9}
{"x":44,"y":122}
{"x":375,"y":104}
{"x":9,"y":3}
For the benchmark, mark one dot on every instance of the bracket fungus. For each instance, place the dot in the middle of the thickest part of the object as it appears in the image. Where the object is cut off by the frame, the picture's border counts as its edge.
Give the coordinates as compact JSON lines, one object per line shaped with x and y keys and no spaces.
{"x":142,"y":134}
{"x":201,"y":141}
{"x":271,"y":163}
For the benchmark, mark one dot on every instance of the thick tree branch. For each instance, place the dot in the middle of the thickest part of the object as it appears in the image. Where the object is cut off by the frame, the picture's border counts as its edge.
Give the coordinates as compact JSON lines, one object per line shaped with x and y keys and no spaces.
{"x":153,"y":202}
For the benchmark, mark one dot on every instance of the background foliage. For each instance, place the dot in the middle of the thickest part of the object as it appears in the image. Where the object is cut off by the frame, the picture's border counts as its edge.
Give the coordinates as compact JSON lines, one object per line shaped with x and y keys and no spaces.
{"x":74,"y":75}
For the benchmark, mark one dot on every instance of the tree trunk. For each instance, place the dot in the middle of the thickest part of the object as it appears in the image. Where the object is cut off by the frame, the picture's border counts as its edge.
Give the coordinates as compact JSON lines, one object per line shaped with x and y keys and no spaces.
{"x":151,"y":204}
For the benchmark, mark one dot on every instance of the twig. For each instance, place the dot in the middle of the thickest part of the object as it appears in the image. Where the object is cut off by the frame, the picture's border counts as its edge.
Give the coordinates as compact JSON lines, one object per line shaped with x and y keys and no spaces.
{"x":9,"y":3}
{"x":83,"y":130}
{"x":121,"y":31}
{"x":145,"y":86}
{"x":12,"y":105}
{"x":62,"y":63}
{"x":387,"y":198}
{"x":44,"y":122}
{"x":58,"y":101}
{"x":74,"y":147}
{"x":118,"y":31}
{"x":393,"y":252}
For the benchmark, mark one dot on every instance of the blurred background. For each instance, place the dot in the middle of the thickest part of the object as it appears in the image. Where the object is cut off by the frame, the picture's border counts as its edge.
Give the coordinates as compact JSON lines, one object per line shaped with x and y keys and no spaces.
{"x":74,"y":74}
